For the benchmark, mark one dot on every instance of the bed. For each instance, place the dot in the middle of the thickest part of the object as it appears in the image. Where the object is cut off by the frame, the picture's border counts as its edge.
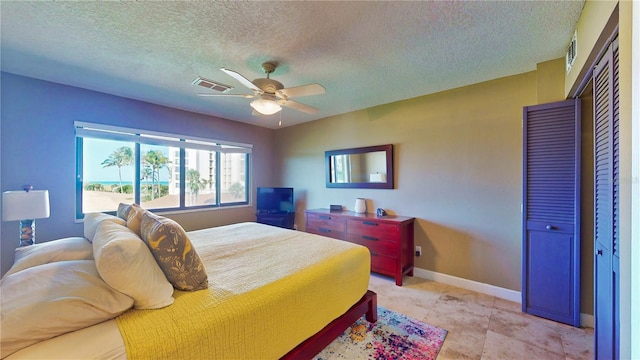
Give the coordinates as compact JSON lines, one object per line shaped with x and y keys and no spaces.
{"x":246,"y":290}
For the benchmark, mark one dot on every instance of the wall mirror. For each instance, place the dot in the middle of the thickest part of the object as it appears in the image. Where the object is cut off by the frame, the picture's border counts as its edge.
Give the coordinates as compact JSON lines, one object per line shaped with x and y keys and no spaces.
{"x":366,"y":167}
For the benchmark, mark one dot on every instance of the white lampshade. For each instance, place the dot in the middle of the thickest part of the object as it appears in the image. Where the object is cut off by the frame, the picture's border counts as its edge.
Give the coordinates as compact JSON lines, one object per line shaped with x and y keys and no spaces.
{"x":377,"y":177}
{"x":265,"y":106}
{"x":25,"y":205}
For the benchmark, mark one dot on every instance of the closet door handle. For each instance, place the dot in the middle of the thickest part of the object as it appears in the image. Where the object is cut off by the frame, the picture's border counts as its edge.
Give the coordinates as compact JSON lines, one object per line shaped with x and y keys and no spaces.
{"x":549,"y":227}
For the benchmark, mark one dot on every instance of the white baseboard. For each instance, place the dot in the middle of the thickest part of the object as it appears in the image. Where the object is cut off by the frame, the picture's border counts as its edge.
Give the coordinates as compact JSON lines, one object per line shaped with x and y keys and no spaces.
{"x":483,"y":288}
{"x":586,"y":320}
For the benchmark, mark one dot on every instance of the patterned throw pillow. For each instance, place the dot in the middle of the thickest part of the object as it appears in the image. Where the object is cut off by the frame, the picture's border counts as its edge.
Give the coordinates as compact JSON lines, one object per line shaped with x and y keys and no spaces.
{"x":174,"y":252}
{"x":134,"y":218}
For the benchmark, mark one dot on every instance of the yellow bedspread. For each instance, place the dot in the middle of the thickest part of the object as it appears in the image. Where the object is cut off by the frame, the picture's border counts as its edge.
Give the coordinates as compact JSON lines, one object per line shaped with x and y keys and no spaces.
{"x":269,"y":290}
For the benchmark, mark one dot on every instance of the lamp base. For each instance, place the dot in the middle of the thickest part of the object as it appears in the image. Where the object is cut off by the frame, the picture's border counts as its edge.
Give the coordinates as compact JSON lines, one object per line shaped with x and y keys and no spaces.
{"x":27,"y":232}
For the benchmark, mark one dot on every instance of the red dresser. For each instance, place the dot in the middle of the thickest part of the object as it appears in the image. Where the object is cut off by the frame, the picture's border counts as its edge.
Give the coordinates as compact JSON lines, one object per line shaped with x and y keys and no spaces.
{"x":388,"y":238}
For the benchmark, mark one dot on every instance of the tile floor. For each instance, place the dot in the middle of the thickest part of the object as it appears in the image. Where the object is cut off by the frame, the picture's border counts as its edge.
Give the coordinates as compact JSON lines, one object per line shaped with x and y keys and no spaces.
{"x":482,"y":326}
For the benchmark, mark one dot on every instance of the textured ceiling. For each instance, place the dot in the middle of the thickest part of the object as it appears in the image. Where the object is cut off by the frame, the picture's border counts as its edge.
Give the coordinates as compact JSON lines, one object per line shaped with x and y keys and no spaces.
{"x":364,"y":53}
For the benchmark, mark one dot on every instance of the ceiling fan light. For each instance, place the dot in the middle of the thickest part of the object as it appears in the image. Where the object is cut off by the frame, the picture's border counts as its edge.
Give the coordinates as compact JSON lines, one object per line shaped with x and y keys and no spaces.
{"x":265,"y":106}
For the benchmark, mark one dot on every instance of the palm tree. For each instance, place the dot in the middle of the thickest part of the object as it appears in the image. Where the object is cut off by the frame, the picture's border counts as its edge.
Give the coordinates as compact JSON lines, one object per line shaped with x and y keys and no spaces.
{"x":195,"y":183}
{"x":155,"y":161}
{"x":122,"y":156}
{"x":145,"y":174}
{"x":236,"y":189}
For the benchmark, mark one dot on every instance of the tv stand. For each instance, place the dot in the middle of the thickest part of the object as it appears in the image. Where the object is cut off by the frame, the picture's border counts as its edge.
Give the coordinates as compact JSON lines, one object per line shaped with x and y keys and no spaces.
{"x":283,"y":220}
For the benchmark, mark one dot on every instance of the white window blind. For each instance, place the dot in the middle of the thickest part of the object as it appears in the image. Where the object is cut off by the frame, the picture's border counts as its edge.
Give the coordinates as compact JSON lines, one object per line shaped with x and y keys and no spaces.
{"x":102,"y":131}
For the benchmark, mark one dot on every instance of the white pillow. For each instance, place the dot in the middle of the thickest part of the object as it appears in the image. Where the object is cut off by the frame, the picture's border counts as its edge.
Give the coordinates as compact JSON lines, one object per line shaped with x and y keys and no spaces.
{"x":123,"y":211}
{"x":92,"y":220}
{"x":48,"y":300}
{"x":126,"y":264}
{"x":73,"y":248}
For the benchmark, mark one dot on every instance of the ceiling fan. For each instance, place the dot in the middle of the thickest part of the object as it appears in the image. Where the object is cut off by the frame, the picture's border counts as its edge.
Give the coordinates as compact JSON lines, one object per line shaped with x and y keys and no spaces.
{"x":271,"y":94}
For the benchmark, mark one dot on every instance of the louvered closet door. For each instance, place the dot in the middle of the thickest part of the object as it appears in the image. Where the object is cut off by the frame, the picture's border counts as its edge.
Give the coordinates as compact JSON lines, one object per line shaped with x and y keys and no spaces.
{"x":551,"y":209}
{"x":606,"y":204}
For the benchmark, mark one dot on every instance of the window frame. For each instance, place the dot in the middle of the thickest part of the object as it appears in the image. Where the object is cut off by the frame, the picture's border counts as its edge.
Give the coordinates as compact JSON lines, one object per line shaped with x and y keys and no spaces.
{"x":148,"y":137}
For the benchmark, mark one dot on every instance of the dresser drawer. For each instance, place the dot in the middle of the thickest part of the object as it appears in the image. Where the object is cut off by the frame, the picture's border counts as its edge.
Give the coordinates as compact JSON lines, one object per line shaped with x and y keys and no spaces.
{"x":373,"y":228}
{"x":384,"y":264}
{"x":326,"y":232}
{"x":374,"y":244}
{"x":322,"y":221}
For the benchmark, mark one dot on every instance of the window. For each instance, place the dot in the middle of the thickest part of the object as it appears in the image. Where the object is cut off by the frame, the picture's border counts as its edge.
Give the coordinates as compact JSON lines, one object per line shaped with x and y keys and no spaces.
{"x":200,"y":177}
{"x":158,"y":188}
{"x":156,"y":170}
{"x":341,"y":168}
{"x":233,"y":175}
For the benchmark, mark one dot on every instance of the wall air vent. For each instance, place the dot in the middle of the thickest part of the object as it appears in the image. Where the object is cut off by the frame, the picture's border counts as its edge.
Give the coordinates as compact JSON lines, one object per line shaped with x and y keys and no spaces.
{"x":572,"y":51}
{"x":210,"y":84}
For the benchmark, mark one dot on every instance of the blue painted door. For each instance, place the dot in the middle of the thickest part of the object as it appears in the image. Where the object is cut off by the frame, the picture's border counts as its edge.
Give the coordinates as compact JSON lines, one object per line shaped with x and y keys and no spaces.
{"x":606,"y":204}
{"x":551,"y":210}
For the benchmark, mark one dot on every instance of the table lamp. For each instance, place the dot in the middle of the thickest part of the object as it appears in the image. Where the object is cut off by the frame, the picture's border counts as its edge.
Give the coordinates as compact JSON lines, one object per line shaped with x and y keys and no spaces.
{"x":25,"y":206}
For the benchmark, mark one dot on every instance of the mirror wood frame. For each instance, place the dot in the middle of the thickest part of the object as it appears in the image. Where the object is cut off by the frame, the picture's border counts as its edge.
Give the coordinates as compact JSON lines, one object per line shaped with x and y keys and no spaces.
{"x":388,"y":149}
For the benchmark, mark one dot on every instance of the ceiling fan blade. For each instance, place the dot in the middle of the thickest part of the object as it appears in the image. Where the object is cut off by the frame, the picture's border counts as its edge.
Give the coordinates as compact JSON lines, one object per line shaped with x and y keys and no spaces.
{"x":246,"y":96}
{"x":298,"y":106}
{"x":303,"y":90}
{"x":243,"y":80}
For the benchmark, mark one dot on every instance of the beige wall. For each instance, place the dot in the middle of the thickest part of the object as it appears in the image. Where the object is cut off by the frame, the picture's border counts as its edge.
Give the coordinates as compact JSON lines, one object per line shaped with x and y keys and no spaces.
{"x":458,"y":162}
{"x":551,"y":78}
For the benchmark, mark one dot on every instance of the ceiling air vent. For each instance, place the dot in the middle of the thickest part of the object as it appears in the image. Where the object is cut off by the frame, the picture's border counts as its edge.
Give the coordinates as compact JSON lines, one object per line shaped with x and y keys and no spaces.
{"x":572,"y":51}
{"x":210,"y":84}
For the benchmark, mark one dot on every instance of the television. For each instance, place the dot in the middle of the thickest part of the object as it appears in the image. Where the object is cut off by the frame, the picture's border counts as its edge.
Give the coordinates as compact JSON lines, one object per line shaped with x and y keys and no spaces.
{"x":275,"y":200}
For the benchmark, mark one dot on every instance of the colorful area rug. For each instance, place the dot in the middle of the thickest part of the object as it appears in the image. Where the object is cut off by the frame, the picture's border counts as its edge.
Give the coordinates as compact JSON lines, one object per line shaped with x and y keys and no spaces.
{"x":393,"y":336}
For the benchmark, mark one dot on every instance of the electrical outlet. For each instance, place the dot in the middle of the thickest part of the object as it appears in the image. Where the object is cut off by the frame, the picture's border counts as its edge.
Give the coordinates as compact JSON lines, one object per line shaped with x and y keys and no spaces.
{"x":418,"y":250}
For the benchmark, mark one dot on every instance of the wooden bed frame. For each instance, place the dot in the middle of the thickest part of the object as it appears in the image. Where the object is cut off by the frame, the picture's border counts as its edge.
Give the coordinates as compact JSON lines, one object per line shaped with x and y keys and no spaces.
{"x":367,"y":305}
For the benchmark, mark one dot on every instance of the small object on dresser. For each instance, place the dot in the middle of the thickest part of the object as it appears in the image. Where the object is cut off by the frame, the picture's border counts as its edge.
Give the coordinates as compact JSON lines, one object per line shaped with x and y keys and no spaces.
{"x":361,"y":206}
{"x":381,"y":212}
{"x":335,"y":207}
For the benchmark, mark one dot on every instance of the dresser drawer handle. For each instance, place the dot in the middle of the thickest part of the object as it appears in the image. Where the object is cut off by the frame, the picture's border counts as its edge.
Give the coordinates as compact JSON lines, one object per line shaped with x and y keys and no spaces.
{"x":373,"y":254}
{"x":323,"y":230}
{"x":370,"y":223}
{"x":369,"y":238}
{"x":325,"y":217}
